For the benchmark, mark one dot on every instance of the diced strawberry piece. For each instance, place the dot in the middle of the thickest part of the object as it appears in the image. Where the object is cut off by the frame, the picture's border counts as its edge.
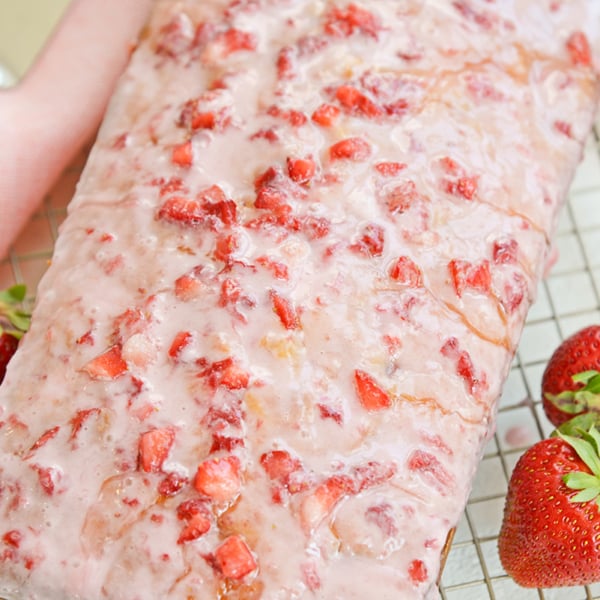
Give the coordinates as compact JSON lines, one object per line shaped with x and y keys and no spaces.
{"x":310,"y":576}
{"x":285,"y":63}
{"x":467,"y":275}
{"x":390,"y":168}
{"x":42,"y":440}
{"x":370,"y":394}
{"x":234,"y":558}
{"x":170,"y":186}
{"x":269,"y":176}
{"x":12,"y":538}
{"x":464,"y":365}
{"x":450,"y":166}
{"x":579,"y":49}
{"x":172,"y":484}
{"x":372,"y":474}
{"x":48,"y":477}
{"x":219,"y":478}
{"x":315,"y":228}
{"x":463,"y":186}
{"x":279,"y":270}
{"x":183,"y":211}
{"x":355,"y":102}
{"x":326,"y":115}
{"x":301,"y":170}
{"x":188,"y":287}
{"x":79,"y":419}
{"x":109,"y":365}
{"x":431,"y":469}
{"x":154,"y":447}
{"x":371,"y":242}
{"x":182,"y":154}
{"x":86,"y":338}
{"x":196,"y":526}
{"x":343,"y":22}
{"x":232,"y":295}
{"x":322,"y":500}
{"x":268,"y":134}
{"x":398,"y":108}
{"x":405,"y":271}
{"x":328,"y":412}
{"x":294,"y":117}
{"x":401,"y":197}
{"x":235,"y":40}
{"x":204,"y":120}
{"x":188,"y":509}
{"x":181,"y":340}
{"x":174,"y":37}
{"x":417,"y":571}
{"x":514,"y":293}
{"x":271,"y":198}
{"x":285,"y":310}
{"x":225,"y":443}
{"x":225,"y":246}
{"x":355,"y":149}
{"x":279,"y":465}
{"x":564,"y":128}
{"x":228,"y":374}
{"x":505,"y":252}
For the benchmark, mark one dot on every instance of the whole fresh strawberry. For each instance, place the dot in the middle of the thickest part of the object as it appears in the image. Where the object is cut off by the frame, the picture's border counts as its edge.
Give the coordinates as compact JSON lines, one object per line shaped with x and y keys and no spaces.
{"x":14,"y":322}
{"x":550,"y":535}
{"x":571,"y":380}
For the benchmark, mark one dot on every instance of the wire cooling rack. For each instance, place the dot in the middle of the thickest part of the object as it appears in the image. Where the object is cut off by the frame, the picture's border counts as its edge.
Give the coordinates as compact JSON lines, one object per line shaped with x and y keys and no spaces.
{"x":568,"y":299}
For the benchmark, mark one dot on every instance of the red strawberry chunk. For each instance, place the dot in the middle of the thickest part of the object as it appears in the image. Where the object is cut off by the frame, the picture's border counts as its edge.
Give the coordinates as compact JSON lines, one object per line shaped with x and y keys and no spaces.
{"x":355,"y":102}
{"x":370,"y":394}
{"x":79,"y":420}
{"x":279,"y":465}
{"x":326,"y":115}
{"x":285,"y":63}
{"x":196,"y":527}
{"x":372,"y":473}
{"x":390,"y":168}
{"x":405,"y":271}
{"x":417,"y":571}
{"x":234,"y":558}
{"x":188,"y":287}
{"x":466,"y":275}
{"x":322,"y":500}
{"x":228,"y":374}
{"x":219,"y":478}
{"x":400,"y":198}
{"x":235,"y":40}
{"x":579,"y":49}
{"x":226,"y":246}
{"x":301,"y":170}
{"x":355,"y":149}
{"x":463,"y":186}
{"x":343,"y":22}
{"x":183,"y":211}
{"x":107,"y":366}
{"x":181,"y":340}
{"x":12,"y":538}
{"x":505,"y":252}
{"x":182,"y":154}
{"x":172,"y":484}
{"x":42,"y":440}
{"x":464,"y":365}
{"x":431,"y":469}
{"x":154,"y":447}
{"x":371,"y":242}
{"x":278,"y":269}
{"x":285,"y":310}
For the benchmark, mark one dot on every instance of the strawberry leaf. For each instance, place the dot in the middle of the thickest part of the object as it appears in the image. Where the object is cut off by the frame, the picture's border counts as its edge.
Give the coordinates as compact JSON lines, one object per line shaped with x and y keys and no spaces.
{"x":586,"y":452}
{"x":13,"y":295}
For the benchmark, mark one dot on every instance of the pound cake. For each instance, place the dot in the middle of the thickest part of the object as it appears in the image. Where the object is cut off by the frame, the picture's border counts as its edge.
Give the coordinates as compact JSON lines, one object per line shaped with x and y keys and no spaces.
{"x":266,"y":356}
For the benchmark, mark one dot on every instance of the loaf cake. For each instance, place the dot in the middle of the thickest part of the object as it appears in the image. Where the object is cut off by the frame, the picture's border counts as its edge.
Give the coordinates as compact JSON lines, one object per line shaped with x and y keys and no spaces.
{"x":266,"y":356}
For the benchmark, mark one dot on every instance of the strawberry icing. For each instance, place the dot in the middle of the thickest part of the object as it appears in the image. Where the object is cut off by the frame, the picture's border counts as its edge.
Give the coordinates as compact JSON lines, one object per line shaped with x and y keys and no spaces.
{"x":267,"y":354}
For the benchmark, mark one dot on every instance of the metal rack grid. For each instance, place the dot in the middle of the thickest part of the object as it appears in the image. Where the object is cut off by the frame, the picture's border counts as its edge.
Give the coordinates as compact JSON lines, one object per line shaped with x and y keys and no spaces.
{"x":567,"y":300}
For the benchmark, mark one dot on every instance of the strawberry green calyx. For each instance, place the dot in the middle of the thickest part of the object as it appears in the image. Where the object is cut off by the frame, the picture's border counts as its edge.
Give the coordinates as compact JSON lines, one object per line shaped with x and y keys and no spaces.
{"x":584,"y":399}
{"x":13,"y":319}
{"x":587,"y":447}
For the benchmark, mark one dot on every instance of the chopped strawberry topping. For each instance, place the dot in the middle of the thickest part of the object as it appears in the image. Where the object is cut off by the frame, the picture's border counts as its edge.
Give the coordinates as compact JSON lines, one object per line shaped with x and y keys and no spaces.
{"x":371,"y":242}
{"x":370,"y":394}
{"x":43,"y":439}
{"x":294,"y":117}
{"x":579,"y":49}
{"x":279,"y":465}
{"x":234,"y":558}
{"x":564,"y":128}
{"x":12,"y":538}
{"x":182,"y":154}
{"x":372,"y":473}
{"x":430,"y":468}
{"x":417,"y":571}
{"x":357,"y":103}
{"x":466,"y":275}
{"x":405,"y":271}
{"x":343,"y":22}
{"x":181,"y":340}
{"x":235,"y":40}
{"x":505,"y":252}
{"x":219,"y":478}
{"x":172,"y":484}
{"x":226,"y":373}
{"x":285,"y":63}
{"x":285,"y":310}
{"x":315,"y":228}
{"x":326,"y":115}
{"x":154,"y":447}
{"x":400,"y":198}
{"x":464,"y":365}
{"x":390,"y":168}
{"x":514,"y":293}
{"x":188,"y":287}
{"x":328,"y":412}
{"x":354,"y":149}
{"x":197,"y":517}
{"x":108,"y":365}
{"x":77,"y":422}
{"x":182,"y":210}
{"x":48,"y":478}
{"x":322,"y":500}
{"x":226,"y":246}
{"x":301,"y":170}
{"x":278,"y":269}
